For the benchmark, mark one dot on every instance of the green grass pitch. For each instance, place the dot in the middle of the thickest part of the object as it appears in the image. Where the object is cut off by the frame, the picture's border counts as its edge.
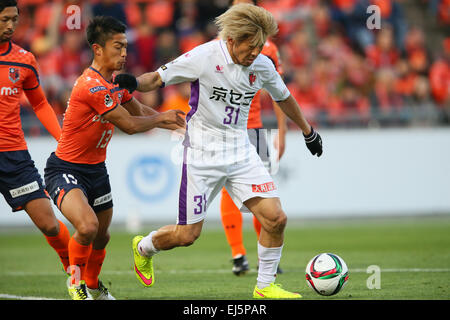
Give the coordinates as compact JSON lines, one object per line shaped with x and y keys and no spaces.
{"x":413,"y":255}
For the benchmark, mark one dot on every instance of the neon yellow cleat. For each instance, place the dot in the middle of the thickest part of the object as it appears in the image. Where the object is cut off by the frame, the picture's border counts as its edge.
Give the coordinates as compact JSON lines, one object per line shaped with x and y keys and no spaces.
{"x":143,"y":266}
{"x":79,"y":292}
{"x":274,"y":291}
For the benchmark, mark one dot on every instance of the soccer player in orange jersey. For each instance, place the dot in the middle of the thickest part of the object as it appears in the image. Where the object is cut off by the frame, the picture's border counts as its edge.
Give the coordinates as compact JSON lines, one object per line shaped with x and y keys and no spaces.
{"x":20,"y":182}
{"x":230,"y":214}
{"x":75,"y":174}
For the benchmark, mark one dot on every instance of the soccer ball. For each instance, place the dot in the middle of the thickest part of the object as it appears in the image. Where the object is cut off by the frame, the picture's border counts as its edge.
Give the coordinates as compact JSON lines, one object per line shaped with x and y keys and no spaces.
{"x":326,"y":274}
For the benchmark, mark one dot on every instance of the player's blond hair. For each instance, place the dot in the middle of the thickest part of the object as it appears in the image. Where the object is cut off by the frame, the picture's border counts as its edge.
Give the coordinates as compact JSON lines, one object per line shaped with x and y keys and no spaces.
{"x":247,"y":21}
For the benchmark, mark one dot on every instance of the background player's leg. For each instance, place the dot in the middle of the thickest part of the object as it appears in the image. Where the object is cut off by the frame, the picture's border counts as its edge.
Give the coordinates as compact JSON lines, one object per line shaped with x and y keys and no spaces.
{"x":270,"y":244}
{"x":232,"y":224}
{"x":98,"y":253}
{"x":55,"y":232}
{"x":257,"y":226}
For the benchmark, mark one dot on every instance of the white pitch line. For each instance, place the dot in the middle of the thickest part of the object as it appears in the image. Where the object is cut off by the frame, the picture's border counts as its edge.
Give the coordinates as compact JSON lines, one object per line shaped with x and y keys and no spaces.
{"x":212,"y":271}
{"x":14,"y":297}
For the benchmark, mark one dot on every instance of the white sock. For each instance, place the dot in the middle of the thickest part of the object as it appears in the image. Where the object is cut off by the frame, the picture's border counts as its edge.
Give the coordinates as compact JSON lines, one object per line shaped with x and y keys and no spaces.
{"x":146,"y":247}
{"x":269,"y":258}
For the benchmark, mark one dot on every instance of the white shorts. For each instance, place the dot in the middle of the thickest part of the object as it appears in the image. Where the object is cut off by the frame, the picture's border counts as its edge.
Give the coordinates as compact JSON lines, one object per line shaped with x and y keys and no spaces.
{"x":202,"y":180}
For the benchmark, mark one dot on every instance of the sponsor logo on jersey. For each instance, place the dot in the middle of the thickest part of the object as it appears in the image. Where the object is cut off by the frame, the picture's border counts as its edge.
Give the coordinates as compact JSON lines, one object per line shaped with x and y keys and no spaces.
{"x":103,"y":199}
{"x":7,"y":91}
{"x":97,"y":88}
{"x":23,"y":190}
{"x":265,"y":187}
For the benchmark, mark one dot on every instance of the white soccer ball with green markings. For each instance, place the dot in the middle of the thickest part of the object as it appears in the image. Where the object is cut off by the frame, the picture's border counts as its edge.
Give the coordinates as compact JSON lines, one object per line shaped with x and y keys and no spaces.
{"x":326,"y":274}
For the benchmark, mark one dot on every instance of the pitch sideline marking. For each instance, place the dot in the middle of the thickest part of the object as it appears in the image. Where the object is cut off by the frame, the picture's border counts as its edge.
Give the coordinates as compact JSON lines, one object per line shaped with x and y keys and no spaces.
{"x":176,"y":271}
{"x":14,"y":297}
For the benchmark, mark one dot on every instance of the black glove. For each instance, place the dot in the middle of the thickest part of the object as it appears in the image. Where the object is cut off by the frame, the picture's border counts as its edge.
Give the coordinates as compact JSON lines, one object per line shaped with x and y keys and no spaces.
{"x":314,"y":142}
{"x":126,"y":81}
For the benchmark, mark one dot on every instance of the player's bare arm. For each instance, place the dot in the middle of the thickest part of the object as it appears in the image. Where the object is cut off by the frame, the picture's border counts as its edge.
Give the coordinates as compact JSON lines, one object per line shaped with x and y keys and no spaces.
{"x":313,"y":140}
{"x":280,"y":139}
{"x":129,"y":124}
{"x":146,"y":82}
{"x":136,"y":108}
{"x":44,"y":111}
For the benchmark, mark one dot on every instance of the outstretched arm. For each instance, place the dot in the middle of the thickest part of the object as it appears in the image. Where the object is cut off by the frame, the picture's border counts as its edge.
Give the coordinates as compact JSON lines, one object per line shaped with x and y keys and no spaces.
{"x":146,"y":82}
{"x":129,"y":124}
{"x":136,"y":108}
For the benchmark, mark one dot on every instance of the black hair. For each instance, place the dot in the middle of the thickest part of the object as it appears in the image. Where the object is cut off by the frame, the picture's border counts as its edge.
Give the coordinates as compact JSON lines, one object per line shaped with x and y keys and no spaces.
{"x":7,"y":3}
{"x":102,"y":28}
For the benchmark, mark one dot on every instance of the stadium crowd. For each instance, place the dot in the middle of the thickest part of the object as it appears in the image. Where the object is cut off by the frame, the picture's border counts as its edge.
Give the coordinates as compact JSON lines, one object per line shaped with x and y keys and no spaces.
{"x":342,"y":73}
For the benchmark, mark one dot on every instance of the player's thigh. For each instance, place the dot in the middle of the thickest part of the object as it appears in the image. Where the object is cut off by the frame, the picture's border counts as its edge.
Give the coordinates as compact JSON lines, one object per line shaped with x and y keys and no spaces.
{"x":41,"y":213}
{"x":75,"y":207}
{"x":268,"y":211}
{"x":200,"y":184}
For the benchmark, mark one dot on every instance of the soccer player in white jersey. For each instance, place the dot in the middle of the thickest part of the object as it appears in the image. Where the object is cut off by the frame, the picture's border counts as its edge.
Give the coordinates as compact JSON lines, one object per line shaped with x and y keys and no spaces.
{"x":225,"y":75}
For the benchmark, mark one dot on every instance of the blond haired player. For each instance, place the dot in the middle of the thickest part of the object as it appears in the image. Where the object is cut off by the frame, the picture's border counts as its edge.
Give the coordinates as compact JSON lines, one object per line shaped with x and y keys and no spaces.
{"x":224,"y":76}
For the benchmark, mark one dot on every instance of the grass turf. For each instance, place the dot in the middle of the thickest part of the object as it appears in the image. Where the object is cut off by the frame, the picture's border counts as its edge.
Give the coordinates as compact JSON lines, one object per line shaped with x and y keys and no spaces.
{"x":413,"y":254}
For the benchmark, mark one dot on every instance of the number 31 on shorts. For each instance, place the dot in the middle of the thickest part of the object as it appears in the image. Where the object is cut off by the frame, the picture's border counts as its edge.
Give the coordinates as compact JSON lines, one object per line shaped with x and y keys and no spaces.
{"x":200,"y":201}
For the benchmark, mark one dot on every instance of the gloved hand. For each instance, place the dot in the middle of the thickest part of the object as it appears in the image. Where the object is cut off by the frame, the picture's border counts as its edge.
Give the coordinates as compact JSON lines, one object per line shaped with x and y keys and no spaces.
{"x":314,"y":143}
{"x":126,"y":81}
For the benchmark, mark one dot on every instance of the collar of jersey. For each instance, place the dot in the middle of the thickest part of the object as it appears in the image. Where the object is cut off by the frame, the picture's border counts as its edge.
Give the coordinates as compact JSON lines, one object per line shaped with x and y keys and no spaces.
{"x":7,"y":50}
{"x":225,"y":52}
{"x":95,"y":70}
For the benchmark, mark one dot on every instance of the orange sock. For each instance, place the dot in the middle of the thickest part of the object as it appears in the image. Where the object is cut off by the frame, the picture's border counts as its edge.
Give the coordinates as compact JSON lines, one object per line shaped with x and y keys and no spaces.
{"x":257,"y":226}
{"x":60,"y":243}
{"x":94,"y":267}
{"x":78,"y":258}
{"x":232,"y":224}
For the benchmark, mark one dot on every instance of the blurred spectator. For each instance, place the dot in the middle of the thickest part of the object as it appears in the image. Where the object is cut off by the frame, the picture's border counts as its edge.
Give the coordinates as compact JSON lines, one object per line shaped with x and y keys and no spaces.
{"x":440,"y":81}
{"x":167,"y":47}
{"x":444,"y":12}
{"x":349,"y":107}
{"x":416,"y":51}
{"x":352,"y":16}
{"x":387,"y":103}
{"x":145,"y":44}
{"x":111,"y":8}
{"x":405,"y":78}
{"x":423,"y":110}
{"x":383,"y":53}
{"x":309,"y":96}
{"x":297,"y":51}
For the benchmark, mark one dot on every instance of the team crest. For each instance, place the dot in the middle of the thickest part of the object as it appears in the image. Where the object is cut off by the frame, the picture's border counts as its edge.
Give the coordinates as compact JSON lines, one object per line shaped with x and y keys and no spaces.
{"x":251,"y":78}
{"x":14,"y":74}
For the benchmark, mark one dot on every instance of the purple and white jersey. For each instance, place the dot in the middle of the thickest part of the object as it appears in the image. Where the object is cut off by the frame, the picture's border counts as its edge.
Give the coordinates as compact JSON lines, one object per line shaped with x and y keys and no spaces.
{"x":221,"y":94}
